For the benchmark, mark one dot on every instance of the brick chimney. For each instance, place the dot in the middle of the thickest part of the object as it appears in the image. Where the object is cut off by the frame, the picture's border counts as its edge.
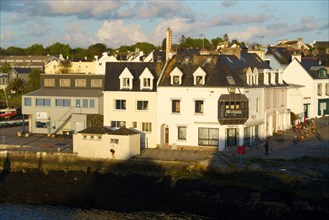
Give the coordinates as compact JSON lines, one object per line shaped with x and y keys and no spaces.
{"x":168,"y":43}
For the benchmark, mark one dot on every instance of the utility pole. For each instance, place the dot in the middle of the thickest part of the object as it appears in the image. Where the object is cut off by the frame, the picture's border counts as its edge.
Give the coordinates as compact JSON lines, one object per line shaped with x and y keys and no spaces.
{"x":202,"y":41}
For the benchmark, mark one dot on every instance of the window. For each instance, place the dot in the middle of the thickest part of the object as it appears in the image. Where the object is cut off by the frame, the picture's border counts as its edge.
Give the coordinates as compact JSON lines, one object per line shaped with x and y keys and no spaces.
{"x":181,"y":132}
{"x":125,"y":83}
{"x":77,"y":103}
{"x":27,"y":101}
{"x":96,"y":83}
{"x":134,"y":124}
{"x":198,"y":80}
{"x":42,"y":102}
{"x":120,"y":104}
{"x":80,"y":82}
{"x":146,"y":82}
{"x":64,"y":82}
{"x":85,"y":103}
{"x":198,"y":106}
{"x":49,"y":82}
{"x":176,"y":80}
{"x":319,"y":89}
{"x":327,"y":89}
{"x":92,"y":103}
{"x":63,"y":102}
{"x":257,"y":105}
{"x":114,"y":141}
{"x":142,"y":105}
{"x":208,"y":136}
{"x":118,"y":124}
{"x":176,"y":106}
{"x":41,"y":124}
{"x":146,"y":126}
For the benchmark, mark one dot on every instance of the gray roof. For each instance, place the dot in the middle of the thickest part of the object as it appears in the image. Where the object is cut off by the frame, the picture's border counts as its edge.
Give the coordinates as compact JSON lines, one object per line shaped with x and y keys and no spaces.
{"x":66,"y":92}
{"x":105,"y":130}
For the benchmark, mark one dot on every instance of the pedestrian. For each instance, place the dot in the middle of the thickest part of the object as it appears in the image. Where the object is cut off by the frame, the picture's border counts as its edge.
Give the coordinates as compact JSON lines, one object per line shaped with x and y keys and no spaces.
{"x":266,"y":146}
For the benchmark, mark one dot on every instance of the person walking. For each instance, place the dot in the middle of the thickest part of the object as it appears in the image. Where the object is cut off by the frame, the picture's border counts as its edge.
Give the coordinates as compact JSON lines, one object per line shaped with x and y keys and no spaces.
{"x":266,"y":146}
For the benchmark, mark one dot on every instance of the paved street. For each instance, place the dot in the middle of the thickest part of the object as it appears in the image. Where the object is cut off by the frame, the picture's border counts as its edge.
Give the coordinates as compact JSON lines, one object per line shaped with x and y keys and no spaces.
{"x":314,"y":145}
{"x":36,"y":142}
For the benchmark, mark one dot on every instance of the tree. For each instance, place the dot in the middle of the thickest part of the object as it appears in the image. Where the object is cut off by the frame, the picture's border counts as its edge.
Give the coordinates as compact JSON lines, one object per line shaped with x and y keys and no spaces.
{"x":58,"y":48}
{"x":15,"y":51}
{"x":145,"y":47}
{"x":5,"y":68}
{"x":215,"y":42}
{"x":97,"y":121}
{"x":182,"y":39}
{"x":96,"y":50}
{"x":226,"y":37}
{"x":65,"y":66}
{"x":18,"y":85}
{"x":35,"y":49}
{"x":34,"y":80}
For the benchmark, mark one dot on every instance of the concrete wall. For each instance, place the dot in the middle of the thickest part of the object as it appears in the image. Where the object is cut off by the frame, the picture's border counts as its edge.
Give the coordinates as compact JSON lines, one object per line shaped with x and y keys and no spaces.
{"x":102,"y":146}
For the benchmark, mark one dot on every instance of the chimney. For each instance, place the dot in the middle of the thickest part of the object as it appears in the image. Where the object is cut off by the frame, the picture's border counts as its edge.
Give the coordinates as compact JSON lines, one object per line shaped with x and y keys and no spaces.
{"x":296,"y":56}
{"x":96,"y":58}
{"x":168,"y":42}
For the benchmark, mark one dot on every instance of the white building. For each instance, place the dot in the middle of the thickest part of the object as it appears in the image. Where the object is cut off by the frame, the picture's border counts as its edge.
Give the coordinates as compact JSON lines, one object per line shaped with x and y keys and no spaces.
{"x":217,"y":101}
{"x":315,"y":79}
{"x":130,"y":98}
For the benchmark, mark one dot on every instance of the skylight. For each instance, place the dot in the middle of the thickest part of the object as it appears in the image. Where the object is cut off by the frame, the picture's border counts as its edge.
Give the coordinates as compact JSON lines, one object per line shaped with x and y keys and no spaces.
{"x":230,"y":80}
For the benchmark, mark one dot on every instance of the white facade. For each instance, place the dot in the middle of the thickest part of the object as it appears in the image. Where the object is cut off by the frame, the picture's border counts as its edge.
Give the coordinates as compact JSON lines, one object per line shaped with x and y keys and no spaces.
{"x":138,"y":111}
{"x":313,"y":90}
{"x":106,"y":146}
{"x":170,"y":123}
{"x":101,"y":63}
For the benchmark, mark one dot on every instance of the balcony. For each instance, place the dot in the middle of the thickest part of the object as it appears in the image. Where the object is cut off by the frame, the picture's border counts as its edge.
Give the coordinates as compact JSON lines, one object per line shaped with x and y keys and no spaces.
{"x":232,"y":109}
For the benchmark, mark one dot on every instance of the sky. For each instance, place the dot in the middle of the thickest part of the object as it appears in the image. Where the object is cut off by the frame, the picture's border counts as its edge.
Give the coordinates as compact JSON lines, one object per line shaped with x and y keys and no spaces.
{"x":81,"y":23}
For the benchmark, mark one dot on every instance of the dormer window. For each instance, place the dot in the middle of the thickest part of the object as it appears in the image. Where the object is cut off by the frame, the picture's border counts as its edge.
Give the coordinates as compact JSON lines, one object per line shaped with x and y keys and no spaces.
{"x":126,"y":79}
{"x":176,"y":77}
{"x":322,"y":73}
{"x":199,"y":77}
{"x":146,"y":80}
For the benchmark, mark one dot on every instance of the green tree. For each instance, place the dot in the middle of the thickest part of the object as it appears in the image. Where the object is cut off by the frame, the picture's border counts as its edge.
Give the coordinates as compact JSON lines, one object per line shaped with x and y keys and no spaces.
{"x":18,"y":85}
{"x":58,"y":48}
{"x":96,"y":50}
{"x":226,"y":37}
{"x":145,"y":47}
{"x":15,"y":51}
{"x":65,"y":66}
{"x":215,"y":42}
{"x":35,"y":49}
{"x":34,"y":80}
{"x":97,"y":121}
{"x":5,"y":68}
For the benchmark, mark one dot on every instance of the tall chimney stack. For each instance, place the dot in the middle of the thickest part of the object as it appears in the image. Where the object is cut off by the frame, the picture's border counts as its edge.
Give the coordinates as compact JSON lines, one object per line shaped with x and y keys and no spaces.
{"x":168,"y":42}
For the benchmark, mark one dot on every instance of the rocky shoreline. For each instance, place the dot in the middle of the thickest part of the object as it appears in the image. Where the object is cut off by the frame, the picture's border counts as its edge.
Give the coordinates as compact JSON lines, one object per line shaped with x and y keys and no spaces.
{"x":139,"y":185}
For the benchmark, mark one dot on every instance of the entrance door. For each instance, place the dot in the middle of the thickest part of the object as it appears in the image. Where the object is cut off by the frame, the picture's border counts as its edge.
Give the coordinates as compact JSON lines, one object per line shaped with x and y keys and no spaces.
{"x":231,"y":137}
{"x":166,"y":135}
{"x":306,"y":110}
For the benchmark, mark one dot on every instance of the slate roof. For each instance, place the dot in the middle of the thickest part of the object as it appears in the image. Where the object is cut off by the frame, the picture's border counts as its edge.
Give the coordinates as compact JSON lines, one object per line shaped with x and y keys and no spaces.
{"x":311,"y":66}
{"x":105,"y":130}
{"x":246,"y":60}
{"x":114,"y":70}
{"x":217,"y":71}
{"x":22,"y":70}
{"x":66,"y":92}
{"x":283,"y":55}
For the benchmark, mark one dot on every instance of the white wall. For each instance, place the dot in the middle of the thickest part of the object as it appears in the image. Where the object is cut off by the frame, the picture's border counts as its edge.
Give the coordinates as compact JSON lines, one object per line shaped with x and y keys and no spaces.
{"x":131,"y":114}
{"x":89,"y":145}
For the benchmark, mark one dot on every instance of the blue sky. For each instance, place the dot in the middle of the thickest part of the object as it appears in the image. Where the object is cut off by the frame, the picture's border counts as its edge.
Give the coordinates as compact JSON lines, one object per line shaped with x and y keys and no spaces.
{"x":81,"y":23}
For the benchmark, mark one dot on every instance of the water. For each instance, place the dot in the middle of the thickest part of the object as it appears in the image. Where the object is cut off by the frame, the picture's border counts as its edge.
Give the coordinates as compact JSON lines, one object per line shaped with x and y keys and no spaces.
{"x":43,"y":212}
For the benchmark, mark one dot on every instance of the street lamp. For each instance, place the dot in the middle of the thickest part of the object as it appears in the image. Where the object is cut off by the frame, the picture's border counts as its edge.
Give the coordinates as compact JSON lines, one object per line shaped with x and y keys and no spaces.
{"x":202,"y":41}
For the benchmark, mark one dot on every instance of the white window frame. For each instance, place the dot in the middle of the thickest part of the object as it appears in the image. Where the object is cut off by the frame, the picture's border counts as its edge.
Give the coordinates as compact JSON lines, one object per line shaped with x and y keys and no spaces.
{"x":197,"y":74}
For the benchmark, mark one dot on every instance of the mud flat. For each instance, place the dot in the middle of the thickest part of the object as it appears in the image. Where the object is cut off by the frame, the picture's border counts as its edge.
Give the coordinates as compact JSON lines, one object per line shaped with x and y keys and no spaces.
{"x":261,"y":189}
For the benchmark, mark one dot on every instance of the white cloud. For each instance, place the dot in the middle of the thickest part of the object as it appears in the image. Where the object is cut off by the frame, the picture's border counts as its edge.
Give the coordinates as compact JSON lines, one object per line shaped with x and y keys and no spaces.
{"x":7,"y":36}
{"x":117,"y":33}
{"x":232,"y":19}
{"x":76,"y":37}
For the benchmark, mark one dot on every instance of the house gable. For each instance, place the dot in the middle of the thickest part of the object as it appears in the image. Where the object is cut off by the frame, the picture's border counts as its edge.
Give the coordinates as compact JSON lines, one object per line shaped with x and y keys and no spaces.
{"x":199,"y":77}
{"x":176,"y":76}
{"x":146,"y":80}
{"x":126,"y":79}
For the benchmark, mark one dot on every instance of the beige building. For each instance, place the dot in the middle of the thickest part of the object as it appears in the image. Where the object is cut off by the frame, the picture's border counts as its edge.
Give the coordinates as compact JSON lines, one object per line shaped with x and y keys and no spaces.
{"x":105,"y":143}
{"x":55,"y":67}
